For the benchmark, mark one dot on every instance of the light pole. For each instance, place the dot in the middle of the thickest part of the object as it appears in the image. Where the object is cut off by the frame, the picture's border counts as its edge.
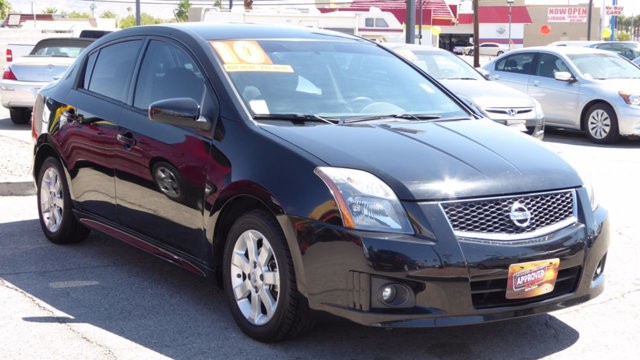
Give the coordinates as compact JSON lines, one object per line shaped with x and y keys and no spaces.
{"x":510,"y":2}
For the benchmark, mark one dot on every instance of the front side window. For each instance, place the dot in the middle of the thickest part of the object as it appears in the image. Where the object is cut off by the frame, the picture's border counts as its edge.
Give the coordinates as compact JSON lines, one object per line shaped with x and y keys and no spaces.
{"x":549,"y":64}
{"x":328,"y":78}
{"x":113,"y":68}
{"x":167,"y":72}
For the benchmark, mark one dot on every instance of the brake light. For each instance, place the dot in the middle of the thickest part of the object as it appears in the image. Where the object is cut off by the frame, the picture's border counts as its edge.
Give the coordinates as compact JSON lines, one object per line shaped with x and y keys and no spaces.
{"x":8,"y":74}
{"x":9,"y":55}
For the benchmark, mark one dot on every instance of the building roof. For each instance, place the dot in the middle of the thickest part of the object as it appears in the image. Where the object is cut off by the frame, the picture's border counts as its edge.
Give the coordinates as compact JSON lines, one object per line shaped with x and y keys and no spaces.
{"x":434,"y":12}
{"x":497,"y":15}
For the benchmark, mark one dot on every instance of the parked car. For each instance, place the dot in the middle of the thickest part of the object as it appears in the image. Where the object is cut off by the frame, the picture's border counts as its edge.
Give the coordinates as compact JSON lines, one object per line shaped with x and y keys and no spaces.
{"x":579,"y":88}
{"x":324,"y":172}
{"x":498,"y":102}
{"x":22,"y":78}
{"x":458,"y":49}
{"x":488,"y":48}
{"x":627,"y":49}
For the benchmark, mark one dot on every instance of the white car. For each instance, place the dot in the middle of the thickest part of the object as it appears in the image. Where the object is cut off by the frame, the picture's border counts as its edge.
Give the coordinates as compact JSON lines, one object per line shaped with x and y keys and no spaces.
{"x":495,"y":101}
{"x":580,"y":88}
{"x":22,"y":78}
{"x":488,"y":48}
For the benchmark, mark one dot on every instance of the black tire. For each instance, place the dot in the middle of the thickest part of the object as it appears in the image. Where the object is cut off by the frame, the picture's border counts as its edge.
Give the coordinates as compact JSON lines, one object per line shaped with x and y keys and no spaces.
{"x":20,"y":116}
{"x":601,"y":124}
{"x":54,"y":205}
{"x":291,"y":315}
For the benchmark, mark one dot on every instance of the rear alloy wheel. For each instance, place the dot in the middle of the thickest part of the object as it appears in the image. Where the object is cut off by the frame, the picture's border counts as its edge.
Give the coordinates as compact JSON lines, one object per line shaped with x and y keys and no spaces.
{"x":259,"y":280}
{"x":54,"y":206}
{"x":601,"y":124}
{"x":20,"y":116}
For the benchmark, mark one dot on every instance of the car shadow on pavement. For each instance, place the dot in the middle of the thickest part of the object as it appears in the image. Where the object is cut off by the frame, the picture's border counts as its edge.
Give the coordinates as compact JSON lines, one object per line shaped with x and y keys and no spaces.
{"x":119,"y":289}
{"x":573,"y":137}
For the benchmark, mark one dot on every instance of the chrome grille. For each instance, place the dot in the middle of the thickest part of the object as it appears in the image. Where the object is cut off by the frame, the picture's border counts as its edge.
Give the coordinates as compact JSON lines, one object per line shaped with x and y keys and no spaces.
{"x":504,"y":113}
{"x":491,"y":218}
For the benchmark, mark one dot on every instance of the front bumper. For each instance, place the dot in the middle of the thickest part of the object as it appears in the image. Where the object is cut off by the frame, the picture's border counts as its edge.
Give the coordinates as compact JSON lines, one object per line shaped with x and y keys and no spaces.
{"x":453,"y":281}
{"x":19,"y":93}
{"x":628,"y":120}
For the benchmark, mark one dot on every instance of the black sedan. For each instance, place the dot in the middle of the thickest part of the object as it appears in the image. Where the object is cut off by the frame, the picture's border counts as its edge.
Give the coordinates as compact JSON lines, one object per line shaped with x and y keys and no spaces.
{"x":311,"y":170}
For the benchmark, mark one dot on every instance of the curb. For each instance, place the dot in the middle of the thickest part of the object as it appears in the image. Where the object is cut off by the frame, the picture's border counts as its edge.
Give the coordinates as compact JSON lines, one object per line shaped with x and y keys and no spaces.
{"x":17,"y":188}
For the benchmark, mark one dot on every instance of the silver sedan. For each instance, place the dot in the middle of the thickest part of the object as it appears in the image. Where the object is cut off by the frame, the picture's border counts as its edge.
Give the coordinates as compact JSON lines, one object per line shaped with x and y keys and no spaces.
{"x":579,"y":88}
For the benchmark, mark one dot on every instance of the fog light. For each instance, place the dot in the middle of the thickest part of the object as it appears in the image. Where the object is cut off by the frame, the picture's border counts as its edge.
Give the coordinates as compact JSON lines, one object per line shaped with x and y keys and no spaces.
{"x":600,"y":267}
{"x":388,"y":294}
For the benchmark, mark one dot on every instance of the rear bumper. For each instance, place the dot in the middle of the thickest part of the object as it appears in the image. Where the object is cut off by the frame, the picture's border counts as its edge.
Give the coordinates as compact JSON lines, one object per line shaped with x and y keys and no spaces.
{"x":453,"y":281}
{"x":19,"y":93}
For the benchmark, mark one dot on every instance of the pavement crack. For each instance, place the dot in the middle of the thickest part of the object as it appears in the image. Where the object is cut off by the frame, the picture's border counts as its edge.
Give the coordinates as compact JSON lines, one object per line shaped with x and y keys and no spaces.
{"x":58,"y":319}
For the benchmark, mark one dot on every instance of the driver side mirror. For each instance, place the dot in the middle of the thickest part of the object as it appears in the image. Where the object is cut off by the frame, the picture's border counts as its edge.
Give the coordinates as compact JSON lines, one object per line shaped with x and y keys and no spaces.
{"x":563,"y":76}
{"x":183,"y":112}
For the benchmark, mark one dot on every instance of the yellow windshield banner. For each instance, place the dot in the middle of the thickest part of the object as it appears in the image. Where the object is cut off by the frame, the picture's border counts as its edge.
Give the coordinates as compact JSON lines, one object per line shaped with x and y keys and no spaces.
{"x":246,"y":55}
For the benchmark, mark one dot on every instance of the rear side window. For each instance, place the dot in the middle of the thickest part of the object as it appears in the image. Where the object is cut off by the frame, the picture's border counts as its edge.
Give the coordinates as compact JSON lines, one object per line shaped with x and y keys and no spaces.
{"x":109,"y":71}
{"x":517,"y":63}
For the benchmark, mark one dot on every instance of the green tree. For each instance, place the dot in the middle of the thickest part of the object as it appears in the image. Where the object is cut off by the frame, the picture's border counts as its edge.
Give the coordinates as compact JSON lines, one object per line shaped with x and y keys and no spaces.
{"x":79,"y":15}
{"x":50,"y":10}
{"x":145,"y":19}
{"x":5,"y":6}
{"x":623,"y":36}
{"x":109,"y":15}
{"x":182,"y":11}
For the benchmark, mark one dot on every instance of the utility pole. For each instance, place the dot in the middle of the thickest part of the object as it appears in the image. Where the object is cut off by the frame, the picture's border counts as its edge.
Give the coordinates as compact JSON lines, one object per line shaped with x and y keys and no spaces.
{"x":476,"y":34}
{"x":138,"y":12}
{"x":410,"y":26}
{"x":589,"y":19}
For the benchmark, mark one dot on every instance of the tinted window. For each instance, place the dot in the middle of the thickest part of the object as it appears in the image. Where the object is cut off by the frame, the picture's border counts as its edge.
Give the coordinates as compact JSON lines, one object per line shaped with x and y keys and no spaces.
{"x":368,"y":22}
{"x":517,"y":63}
{"x":113,"y":69}
{"x":91,"y":62}
{"x":166,"y":72}
{"x":380,"y":22}
{"x":549,"y":64}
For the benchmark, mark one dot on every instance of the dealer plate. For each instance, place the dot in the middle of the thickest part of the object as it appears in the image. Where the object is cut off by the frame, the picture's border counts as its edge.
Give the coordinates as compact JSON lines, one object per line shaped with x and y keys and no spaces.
{"x":532,"y":278}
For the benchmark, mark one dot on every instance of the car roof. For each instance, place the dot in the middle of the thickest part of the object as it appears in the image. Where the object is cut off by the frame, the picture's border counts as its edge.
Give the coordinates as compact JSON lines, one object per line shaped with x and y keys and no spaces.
{"x":232,"y":31}
{"x":562,"y":50}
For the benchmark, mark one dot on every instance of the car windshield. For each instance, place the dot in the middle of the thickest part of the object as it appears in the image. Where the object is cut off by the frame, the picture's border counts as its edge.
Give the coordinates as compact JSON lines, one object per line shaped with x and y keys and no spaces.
{"x":333,"y":79}
{"x":604,"y":66}
{"x":445,"y":66}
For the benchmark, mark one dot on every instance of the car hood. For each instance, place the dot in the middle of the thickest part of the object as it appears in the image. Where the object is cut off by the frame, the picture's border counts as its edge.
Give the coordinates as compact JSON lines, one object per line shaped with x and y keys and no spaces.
{"x":40,"y":68}
{"x":438,"y":160}
{"x":489,"y":94}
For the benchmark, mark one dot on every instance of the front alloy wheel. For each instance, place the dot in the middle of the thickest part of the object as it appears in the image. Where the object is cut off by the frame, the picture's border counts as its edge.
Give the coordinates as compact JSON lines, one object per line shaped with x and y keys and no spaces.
{"x":259,"y":280}
{"x":602,"y":124}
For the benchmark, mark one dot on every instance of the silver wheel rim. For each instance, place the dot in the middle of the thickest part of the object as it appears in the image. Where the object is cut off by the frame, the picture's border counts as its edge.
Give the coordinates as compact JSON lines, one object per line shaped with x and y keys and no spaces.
{"x":167,"y":182}
{"x":599,"y":124}
{"x":255,"y":277}
{"x":51,"y":199}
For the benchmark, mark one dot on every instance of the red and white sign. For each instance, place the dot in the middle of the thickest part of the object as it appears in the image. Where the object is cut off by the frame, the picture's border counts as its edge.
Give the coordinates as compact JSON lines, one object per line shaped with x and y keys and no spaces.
{"x":613,"y":10}
{"x":567,"y":14}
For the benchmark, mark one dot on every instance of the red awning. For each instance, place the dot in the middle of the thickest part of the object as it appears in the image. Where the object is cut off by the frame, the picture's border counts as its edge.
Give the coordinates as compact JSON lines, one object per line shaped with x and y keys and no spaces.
{"x":497,"y":15}
{"x":443,"y":14}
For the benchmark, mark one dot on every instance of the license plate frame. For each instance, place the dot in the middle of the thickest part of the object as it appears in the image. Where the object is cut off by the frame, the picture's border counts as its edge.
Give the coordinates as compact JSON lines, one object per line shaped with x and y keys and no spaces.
{"x":532,"y":278}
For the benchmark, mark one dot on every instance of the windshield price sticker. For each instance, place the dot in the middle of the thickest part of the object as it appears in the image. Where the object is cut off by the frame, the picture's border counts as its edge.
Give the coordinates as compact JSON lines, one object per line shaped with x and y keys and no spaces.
{"x":532,"y":279}
{"x":246,"y":55}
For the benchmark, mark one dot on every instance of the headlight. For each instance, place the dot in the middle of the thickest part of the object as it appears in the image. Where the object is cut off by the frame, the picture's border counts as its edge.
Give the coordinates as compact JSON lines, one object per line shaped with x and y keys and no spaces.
{"x":592,"y":195}
{"x":631,"y":99}
{"x":365,"y":202}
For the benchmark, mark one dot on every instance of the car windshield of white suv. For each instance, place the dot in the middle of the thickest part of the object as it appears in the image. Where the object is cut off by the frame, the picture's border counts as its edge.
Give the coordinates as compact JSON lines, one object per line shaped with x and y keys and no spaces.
{"x":604,"y":66}
{"x":330,"y":80}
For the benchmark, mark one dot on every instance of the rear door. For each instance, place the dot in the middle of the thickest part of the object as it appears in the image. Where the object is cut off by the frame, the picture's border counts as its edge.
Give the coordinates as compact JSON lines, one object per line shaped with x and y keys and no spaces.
{"x":515,"y":70}
{"x":87,"y":126}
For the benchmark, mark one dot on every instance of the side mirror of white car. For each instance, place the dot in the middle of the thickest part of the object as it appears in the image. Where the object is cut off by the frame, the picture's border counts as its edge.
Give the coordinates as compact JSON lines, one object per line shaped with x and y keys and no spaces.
{"x":563,"y":76}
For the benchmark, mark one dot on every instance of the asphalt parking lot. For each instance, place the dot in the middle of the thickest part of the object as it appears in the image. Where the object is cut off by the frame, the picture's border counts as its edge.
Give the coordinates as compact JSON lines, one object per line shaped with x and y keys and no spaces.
{"x":102,"y":299}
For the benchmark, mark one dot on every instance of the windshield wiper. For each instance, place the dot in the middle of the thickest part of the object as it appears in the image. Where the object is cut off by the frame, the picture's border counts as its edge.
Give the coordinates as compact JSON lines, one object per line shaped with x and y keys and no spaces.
{"x":405,"y":116}
{"x":296,"y":118}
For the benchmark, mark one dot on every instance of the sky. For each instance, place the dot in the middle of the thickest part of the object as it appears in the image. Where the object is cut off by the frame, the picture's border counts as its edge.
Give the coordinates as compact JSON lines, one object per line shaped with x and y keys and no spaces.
{"x":164,"y":8}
